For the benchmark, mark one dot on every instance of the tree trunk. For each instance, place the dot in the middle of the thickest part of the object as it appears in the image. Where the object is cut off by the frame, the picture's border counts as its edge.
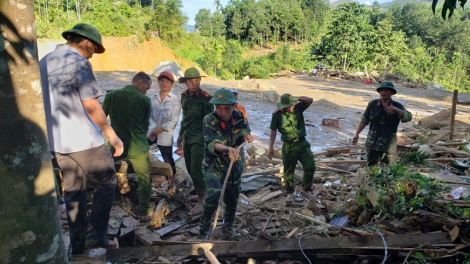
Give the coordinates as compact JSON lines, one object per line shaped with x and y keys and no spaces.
{"x":30,"y":230}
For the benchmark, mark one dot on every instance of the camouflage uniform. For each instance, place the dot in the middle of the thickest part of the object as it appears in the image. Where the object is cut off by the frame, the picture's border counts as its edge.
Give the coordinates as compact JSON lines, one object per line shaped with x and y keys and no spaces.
{"x":194,"y":108}
{"x":216,"y":165}
{"x":295,"y":148}
{"x":382,"y":136}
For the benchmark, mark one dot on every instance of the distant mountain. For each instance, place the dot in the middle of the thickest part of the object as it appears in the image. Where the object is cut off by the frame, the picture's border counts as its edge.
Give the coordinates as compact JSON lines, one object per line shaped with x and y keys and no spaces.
{"x":190,"y":29}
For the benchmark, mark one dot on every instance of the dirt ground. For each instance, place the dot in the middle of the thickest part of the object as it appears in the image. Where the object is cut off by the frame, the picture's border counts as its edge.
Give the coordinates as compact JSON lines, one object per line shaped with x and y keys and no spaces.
{"x":335,"y":99}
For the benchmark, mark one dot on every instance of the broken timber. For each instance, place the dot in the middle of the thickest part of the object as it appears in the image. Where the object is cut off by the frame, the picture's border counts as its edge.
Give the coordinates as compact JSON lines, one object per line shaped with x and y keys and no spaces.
{"x":259,"y":247}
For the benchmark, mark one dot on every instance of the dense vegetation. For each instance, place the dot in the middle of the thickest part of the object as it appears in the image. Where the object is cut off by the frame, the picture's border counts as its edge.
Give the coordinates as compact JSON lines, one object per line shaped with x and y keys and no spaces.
{"x":405,"y":38}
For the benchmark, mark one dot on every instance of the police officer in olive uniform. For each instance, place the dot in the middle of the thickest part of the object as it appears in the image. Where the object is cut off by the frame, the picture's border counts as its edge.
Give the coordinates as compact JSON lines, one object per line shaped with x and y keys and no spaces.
{"x":289,"y":120}
{"x":195,"y":105}
{"x":224,"y":130}
{"x":383,"y":115}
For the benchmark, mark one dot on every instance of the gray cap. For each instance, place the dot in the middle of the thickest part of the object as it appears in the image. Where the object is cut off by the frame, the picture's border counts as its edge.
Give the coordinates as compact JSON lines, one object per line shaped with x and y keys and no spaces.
{"x":233,"y":90}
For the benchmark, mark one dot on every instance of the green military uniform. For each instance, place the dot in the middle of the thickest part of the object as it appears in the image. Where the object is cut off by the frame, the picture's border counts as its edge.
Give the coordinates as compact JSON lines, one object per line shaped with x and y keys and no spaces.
{"x":129,"y":111}
{"x":295,"y":148}
{"x":194,"y":108}
{"x":216,"y":165}
{"x":382,"y":137}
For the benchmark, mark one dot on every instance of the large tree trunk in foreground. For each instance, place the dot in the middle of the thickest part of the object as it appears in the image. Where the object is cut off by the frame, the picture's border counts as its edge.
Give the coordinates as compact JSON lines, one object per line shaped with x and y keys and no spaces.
{"x":30,"y":230}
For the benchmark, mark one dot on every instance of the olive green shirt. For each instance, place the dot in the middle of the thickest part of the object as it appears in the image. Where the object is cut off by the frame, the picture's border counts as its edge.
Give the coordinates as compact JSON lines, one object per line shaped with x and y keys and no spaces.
{"x":129,"y":111}
{"x":291,"y":125}
{"x":194,"y":108}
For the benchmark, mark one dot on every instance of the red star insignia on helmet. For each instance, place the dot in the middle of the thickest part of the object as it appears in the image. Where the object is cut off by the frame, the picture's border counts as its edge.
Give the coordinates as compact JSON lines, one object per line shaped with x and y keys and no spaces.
{"x":219,"y":96}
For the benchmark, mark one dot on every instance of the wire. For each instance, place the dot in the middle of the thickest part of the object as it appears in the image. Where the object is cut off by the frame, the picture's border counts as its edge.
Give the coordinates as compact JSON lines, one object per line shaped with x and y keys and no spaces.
{"x":300,"y":246}
{"x":385,"y":244}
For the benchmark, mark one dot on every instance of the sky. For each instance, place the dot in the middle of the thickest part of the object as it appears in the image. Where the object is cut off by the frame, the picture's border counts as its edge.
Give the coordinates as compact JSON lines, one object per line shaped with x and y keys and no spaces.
{"x":192,"y":7}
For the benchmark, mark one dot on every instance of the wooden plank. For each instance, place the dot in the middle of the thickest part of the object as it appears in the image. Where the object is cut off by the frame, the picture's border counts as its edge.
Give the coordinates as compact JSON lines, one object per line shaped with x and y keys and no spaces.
{"x":452,"y":114}
{"x":434,"y":138}
{"x":269,"y":171}
{"x":270,"y":196}
{"x":259,"y":195}
{"x":449,"y":150}
{"x":226,"y":249}
{"x":451,"y":178}
{"x":372,"y":195}
{"x":169,"y":228}
{"x":291,"y":233}
{"x":359,"y":162}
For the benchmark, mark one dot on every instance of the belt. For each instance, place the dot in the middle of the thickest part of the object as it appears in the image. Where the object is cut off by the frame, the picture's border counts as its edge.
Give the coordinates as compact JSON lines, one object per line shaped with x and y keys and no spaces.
{"x":295,"y":140}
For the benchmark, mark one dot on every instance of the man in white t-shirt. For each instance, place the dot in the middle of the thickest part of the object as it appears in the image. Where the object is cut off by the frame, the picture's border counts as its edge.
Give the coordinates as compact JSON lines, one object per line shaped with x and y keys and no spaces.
{"x":74,"y":119}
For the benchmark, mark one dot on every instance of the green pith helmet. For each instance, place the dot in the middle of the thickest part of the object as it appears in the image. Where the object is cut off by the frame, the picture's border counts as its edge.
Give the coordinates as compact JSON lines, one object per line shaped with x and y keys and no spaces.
{"x":190,"y":73}
{"x":223,"y":97}
{"x":387,"y":85}
{"x":287,"y":101}
{"x":87,"y":31}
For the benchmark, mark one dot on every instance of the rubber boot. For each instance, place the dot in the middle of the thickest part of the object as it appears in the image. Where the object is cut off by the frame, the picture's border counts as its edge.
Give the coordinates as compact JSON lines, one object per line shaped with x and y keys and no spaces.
{"x":230,"y":233}
{"x":204,"y":227}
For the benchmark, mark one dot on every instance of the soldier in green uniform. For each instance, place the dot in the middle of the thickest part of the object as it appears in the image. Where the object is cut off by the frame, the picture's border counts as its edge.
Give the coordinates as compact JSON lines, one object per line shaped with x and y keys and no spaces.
{"x":288,"y":118}
{"x":383,"y":115}
{"x":195,"y":105}
{"x":224,"y":130}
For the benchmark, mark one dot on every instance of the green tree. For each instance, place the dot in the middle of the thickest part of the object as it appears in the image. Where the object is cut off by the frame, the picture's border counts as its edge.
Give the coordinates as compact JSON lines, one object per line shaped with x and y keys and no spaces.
{"x":203,"y":21}
{"x":168,"y":20}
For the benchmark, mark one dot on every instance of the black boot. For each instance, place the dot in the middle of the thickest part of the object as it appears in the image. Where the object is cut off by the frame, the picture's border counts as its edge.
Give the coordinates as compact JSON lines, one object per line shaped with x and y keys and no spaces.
{"x":204,"y":227}
{"x":230,"y":233}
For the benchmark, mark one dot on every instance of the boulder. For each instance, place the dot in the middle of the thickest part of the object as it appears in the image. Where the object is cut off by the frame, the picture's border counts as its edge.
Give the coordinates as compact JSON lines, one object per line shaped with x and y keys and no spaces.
{"x":271,"y":96}
{"x":435,"y":86}
{"x":169,"y":66}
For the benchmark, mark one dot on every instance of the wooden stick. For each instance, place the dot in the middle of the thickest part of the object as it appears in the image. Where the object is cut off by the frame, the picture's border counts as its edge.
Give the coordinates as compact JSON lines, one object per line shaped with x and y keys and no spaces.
{"x":223,"y":192}
{"x":452,"y":115}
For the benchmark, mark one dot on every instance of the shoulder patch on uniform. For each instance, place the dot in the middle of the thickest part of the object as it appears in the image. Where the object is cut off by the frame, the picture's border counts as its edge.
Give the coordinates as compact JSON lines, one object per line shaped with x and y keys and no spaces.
{"x":205,"y":93}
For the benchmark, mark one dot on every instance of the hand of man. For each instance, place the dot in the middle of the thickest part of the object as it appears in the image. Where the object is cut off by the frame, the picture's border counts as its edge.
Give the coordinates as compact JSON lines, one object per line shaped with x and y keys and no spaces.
{"x":355,"y":139}
{"x":117,"y":145}
{"x":233,"y":154}
{"x":390,"y":109}
{"x":248,"y":138}
{"x":270,"y":153}
{"x":179,"y":141}
{"x":152,"y":137}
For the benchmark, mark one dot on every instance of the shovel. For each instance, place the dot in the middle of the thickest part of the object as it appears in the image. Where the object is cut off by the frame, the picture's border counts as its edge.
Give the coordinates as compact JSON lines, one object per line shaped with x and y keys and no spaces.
{"x":223,"y":192}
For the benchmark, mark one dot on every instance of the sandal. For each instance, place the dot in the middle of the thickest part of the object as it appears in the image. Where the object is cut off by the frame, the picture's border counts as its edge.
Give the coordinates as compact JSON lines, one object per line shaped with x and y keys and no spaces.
{"x":108,"y":245}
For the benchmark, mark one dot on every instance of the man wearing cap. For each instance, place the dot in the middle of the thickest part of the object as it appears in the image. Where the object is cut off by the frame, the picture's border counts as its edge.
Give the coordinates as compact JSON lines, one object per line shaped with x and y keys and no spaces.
{"x":224,"y":130}
{"x":288,"y":118}
{"x":195,"y":105}
{"x":74,"y":119}
{"x":166,"y":108}
{"x":238,"y":106}
{"x":129,"y":110}
{"x":383,"y":115}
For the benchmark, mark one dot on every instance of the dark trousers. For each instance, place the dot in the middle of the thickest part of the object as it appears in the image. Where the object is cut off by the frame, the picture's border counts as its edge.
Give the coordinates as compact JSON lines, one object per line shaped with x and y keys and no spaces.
{"x":215,"y":180}
{"x":167,"y":154}
{"x":378,"y":157}
{"x":97,"y":165}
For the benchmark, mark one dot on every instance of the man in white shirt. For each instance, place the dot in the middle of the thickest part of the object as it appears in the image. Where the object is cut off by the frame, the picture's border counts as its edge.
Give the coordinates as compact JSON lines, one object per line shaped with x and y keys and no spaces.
{"x":166,"y":108}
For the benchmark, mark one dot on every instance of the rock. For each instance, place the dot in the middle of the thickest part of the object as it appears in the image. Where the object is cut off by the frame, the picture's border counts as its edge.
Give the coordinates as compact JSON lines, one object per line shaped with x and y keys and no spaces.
{"x":266,"y":87}
{"x":364,"y":217}
{"x":160,"y":168}
{"x":246,"y":78}
{"x":435,"y":86}
{"x":271,"y":96}
{"x":169,"y":66}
